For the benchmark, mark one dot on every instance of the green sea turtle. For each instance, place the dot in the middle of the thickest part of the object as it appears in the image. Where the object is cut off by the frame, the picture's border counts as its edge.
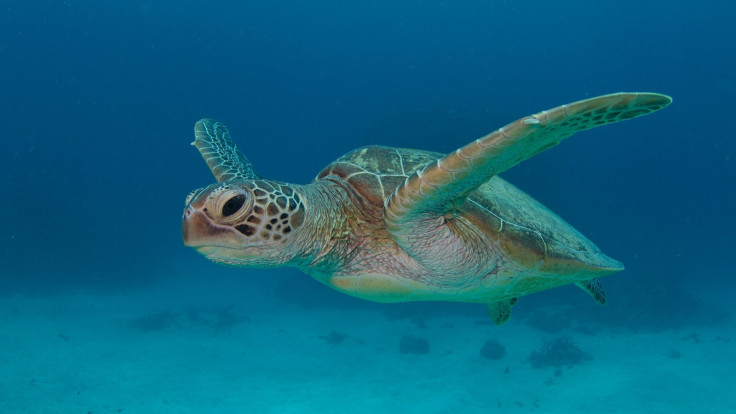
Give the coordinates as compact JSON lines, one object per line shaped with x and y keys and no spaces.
{"x":394,"y":224}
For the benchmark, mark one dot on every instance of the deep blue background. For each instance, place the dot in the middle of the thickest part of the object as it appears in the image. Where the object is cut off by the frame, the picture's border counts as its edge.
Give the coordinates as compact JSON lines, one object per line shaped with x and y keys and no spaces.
{"x":98,"y":100}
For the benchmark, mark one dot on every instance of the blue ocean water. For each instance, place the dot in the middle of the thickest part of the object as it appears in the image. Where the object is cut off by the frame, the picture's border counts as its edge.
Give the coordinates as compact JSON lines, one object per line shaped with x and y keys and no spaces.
{"x":98,"y":100}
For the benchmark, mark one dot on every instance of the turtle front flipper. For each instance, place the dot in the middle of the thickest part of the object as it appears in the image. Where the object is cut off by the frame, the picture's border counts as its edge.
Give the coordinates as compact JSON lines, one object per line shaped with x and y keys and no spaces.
{"x":414,"y":213}
{"x":226,"y":162}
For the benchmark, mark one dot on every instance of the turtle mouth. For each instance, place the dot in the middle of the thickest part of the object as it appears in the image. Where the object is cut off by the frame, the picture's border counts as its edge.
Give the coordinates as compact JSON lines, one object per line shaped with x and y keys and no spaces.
{"x":222,"y":254}
{"x":199,"y":232}
{"x":206,"y":250}
{"x":214,"y":252}
{"x":210,"y":250}
{"x":217,"y":254}
{"x":227,"y":256}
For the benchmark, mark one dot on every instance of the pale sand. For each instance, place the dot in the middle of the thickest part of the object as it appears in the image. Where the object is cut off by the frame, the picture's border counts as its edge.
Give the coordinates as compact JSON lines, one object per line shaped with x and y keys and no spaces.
{"x":78,"y":354}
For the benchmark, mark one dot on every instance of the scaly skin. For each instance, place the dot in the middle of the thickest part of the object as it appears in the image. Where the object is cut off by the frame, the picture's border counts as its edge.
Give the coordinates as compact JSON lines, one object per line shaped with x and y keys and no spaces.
{"x":325,"y":229}
{"x":343,"y":235}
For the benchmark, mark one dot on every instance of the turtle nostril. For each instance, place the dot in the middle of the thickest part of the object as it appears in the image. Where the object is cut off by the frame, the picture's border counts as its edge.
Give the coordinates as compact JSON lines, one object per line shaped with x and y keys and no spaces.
{"x":233,"y":205}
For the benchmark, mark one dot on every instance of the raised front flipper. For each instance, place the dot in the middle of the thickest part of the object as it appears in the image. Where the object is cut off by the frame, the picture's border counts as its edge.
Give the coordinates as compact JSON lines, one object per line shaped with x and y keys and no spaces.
{"x":226,"y":162}
{"x":442,"y":186}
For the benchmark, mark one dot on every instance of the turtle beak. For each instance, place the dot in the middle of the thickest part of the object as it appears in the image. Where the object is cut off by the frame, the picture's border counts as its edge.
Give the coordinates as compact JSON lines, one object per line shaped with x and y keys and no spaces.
{"x":204,"y":235}
{"x":193,"y":225}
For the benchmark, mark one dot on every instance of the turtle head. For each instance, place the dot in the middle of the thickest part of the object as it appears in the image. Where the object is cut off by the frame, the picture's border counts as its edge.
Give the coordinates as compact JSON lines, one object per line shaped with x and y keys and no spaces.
{"x":244,"y":222}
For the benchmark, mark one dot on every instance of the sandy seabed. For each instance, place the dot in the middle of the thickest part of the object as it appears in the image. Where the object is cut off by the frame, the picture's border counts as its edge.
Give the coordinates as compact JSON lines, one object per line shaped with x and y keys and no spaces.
{"x":99,"y":354}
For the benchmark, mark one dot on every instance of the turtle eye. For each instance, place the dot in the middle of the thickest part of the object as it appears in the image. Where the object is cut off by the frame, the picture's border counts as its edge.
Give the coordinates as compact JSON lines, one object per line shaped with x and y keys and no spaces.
{"x":233,"y":205}
{"x":228,"y":204}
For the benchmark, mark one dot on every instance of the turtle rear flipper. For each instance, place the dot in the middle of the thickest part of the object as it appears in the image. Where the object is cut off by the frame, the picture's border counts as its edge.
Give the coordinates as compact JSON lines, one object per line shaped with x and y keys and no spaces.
{"x":414,"y":213}
{"x":226,"y":162}
{"x":593,"y":288}
{"x":500,"y":312}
